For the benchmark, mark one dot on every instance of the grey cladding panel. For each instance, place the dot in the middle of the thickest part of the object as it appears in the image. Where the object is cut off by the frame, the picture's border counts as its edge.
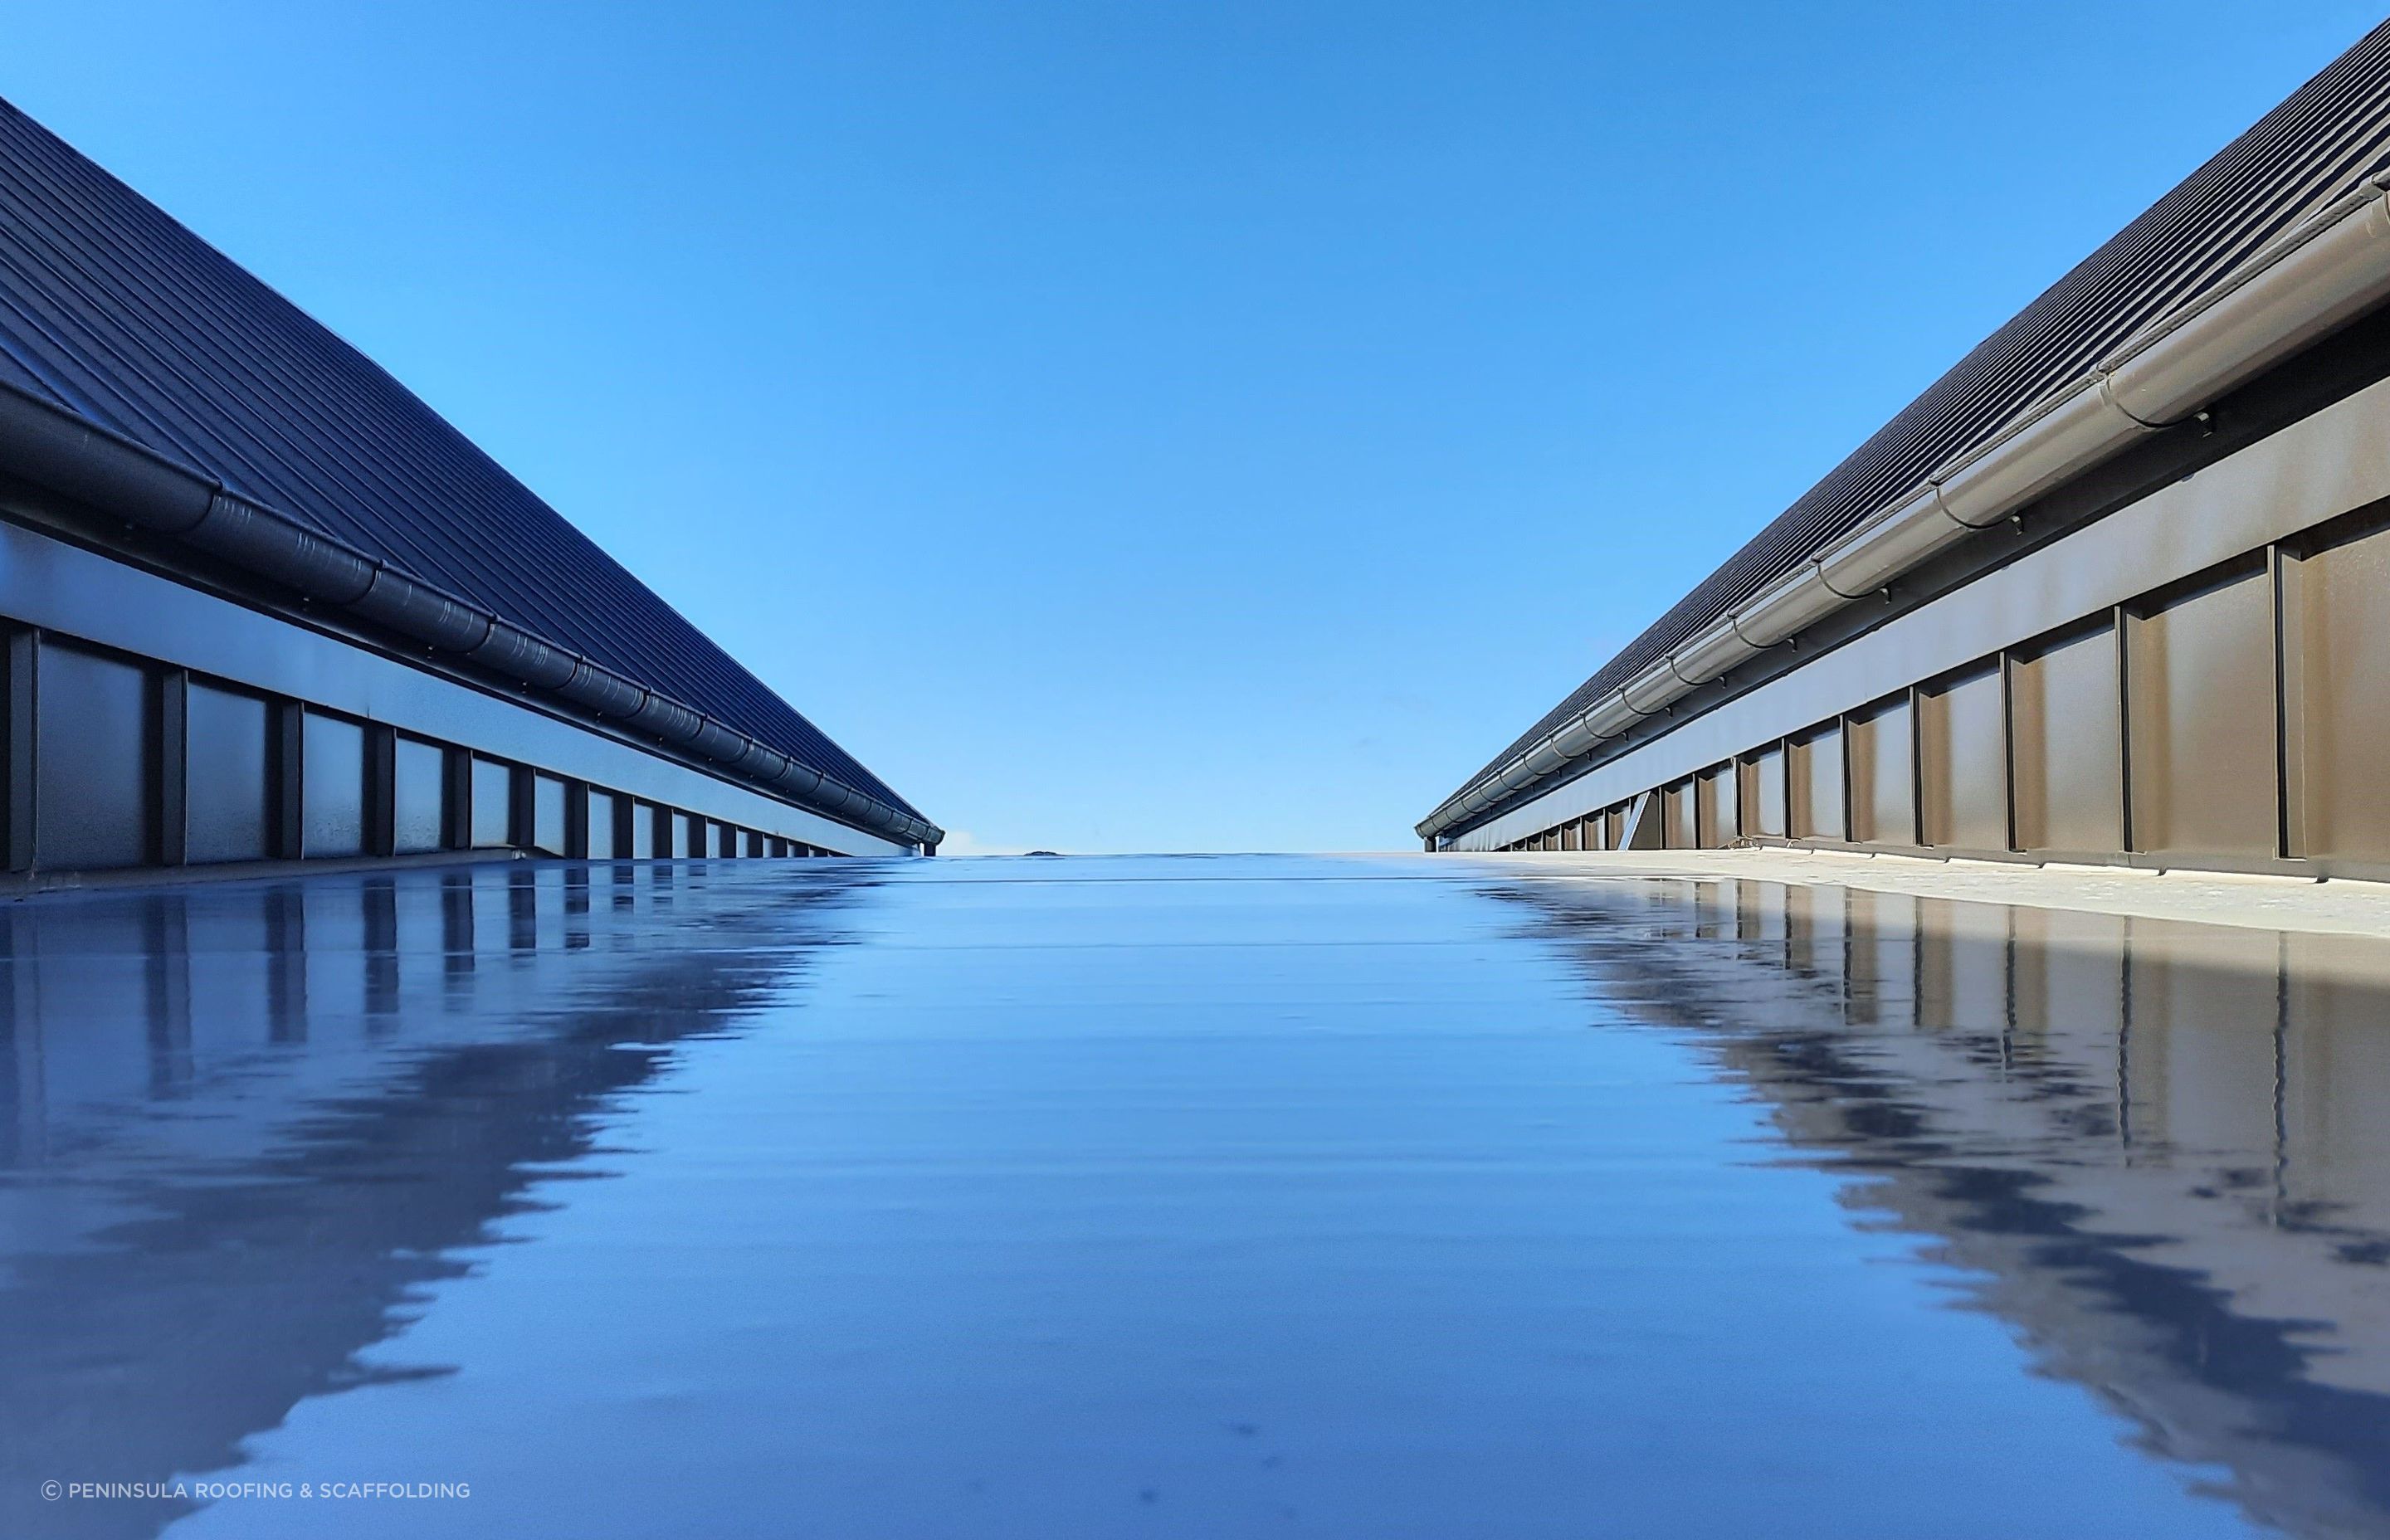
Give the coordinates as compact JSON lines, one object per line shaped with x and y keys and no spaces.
{"x":97,"y":750}
{"x":228,"y":815}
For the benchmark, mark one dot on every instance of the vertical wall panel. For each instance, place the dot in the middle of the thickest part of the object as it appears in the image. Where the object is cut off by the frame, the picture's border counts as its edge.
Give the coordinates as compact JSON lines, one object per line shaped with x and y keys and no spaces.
{"x":601,"y":815}
{"x":1882,"y":778}
{"x":226,"y":808}
{"x":547,"y":801}
{"x":1764,"y":792}
{"x":1613,"y":830}
{"x":1812,"y":781}
{"x":1714,"y":806}
{"x":643,"y":831}
{"x":96,"y":745}
{"x":418,"y":796}
{"x":685,"y":835}
{"x":2344,"y":637}
{"x":1962,"y":764}
{"x":2201,"y":718}
{"x":333,"y":787}
{"x":1676,"y":831}
{"x":2069,"y":746}
{"x":493,"y":786}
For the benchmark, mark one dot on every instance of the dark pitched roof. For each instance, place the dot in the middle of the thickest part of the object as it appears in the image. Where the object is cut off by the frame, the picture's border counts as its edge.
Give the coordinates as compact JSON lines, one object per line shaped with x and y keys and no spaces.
{"x":111,"y":310}
{"x":2331,"y":134}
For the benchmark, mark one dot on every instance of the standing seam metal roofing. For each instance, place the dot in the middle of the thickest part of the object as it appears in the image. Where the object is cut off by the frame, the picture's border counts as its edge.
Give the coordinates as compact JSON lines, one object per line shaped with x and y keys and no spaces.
{"x":2331,"y":134}
{"x":111,"y":310}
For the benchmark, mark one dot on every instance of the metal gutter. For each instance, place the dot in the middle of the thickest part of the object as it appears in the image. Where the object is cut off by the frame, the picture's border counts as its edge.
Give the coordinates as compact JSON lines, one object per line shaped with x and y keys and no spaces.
{"x":2318,"y":277}
{"x":56,"y":449}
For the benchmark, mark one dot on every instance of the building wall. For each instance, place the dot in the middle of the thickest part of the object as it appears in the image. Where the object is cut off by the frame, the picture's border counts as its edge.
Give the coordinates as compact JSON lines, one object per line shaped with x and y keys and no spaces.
{"x":145,"y":723}
{"x":2201,"y":679}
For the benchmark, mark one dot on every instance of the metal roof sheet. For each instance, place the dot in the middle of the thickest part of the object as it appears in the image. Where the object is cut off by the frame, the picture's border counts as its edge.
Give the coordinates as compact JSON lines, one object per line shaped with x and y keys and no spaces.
{"x":2327,"y":137}
{"x":111,"y":310}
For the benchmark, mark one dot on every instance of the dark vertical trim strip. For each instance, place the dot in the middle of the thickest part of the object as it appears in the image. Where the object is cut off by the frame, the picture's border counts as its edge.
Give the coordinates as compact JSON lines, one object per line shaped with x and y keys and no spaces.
{"x":2120,"y":622}
{"x":381,"y":789}
{"x":1916,"y":766}
{"x":523,"y":813}
{"x":2008,"y":748}
{"x":1843,"y":748}
{"x":457,"y":807}
{"x":172,"y":779}
{"x":290,"y":773}
{"x":23,"y":748}
{"x":2290,"y":703}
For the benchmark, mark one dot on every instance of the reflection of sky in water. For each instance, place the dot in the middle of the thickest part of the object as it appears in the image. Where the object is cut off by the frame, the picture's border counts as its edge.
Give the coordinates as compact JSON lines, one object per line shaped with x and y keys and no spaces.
{"x":1194,"y":1197}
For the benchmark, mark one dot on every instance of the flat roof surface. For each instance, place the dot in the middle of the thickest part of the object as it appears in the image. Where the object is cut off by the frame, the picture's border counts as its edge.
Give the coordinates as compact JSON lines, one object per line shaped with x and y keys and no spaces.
{"x":1195,"y":1196}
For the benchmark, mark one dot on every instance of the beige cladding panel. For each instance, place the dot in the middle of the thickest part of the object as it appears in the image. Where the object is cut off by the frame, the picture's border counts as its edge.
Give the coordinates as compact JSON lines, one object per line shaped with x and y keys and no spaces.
{"x":1962,"y":759}
{"x":1883,"y":789}
{"x":1814,"y":784}
{"x":1715,"y":823}
{"x":1676,"y":831}
{"x":2069,"y":763}
{"x":1613,"y":829}
{"x":2344,"y":637}
{"x":2202,"y":719}
{"x":1763,"y":793}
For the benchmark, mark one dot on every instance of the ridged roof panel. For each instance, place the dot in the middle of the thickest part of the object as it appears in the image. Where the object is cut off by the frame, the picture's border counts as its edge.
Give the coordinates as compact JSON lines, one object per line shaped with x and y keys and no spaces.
{"x":2316,"y":146}
{"x":112,"y":310}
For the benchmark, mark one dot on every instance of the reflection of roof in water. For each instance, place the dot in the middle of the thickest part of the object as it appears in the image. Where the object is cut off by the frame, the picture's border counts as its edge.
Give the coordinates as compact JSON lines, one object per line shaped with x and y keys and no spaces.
{"x":370,"y":1069}
{"x":2158,"y":1145}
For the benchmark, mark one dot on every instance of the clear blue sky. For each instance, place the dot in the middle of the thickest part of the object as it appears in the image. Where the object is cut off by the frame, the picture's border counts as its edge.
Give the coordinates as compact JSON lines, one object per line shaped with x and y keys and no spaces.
{"x":1160,"y":427}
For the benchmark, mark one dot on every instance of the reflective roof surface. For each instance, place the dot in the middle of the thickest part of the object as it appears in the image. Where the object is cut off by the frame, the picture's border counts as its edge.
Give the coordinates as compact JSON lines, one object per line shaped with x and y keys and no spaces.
{"x":1183,"y":1197}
